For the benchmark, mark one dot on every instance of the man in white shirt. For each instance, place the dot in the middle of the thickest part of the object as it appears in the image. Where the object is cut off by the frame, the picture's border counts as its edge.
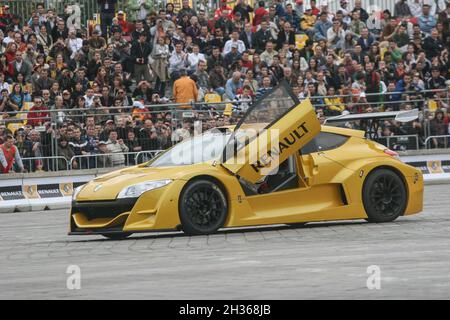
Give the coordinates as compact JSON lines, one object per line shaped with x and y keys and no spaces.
{"x":194,"y":58}
{"x":3,"y":83}
{"x":437,"y":6}
{"x":267,"y":56}
{"x":234,"y":40}
{"x":178,"y":60}
{"x":415,"y":6}
{"x":89,"y":98}
{"x":9,"y":38}
{"x":73,"y":42}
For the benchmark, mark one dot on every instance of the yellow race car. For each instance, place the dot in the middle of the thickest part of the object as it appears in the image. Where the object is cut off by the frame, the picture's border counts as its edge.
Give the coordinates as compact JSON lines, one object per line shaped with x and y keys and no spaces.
{"x":278,"y":165}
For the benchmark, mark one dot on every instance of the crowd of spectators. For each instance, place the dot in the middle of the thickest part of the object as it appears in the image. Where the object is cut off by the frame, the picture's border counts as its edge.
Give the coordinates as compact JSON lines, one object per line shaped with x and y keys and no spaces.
{"x":105,"y":89}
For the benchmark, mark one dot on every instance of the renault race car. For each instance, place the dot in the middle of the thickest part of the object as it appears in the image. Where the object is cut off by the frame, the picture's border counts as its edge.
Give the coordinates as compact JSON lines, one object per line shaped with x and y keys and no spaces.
{"x":278,"y":165}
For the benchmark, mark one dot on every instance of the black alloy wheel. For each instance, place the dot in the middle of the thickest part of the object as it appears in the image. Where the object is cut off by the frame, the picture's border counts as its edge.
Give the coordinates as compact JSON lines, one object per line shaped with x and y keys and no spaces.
{"x":203,"y":207}
{"x":384,"y":196}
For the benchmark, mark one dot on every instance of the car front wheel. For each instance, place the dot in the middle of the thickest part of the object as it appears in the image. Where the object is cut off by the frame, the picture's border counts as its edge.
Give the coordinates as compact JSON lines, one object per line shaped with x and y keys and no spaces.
{"x":384,"y":196}
{"x":203,"y":207}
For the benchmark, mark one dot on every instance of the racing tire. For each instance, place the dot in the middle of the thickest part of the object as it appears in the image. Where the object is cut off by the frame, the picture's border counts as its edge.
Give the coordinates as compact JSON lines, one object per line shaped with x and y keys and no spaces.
{"x":117,"y":236}
{"x":203,"y":207}
{"x":384,"y":196}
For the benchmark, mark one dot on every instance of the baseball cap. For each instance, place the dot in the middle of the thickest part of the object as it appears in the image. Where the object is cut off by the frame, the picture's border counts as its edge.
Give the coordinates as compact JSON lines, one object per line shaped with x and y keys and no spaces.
{"x":109,"y":121}
{"x":234,"y":45}
{"x":101,"y":143}
{"x":120,"y":12}
{"x":308,"y":7}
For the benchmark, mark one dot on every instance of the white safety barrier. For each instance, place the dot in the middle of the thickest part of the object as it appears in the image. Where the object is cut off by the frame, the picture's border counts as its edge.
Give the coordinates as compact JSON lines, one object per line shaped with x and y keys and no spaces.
{"x":38,"y":194}
{"x":435,"y":168}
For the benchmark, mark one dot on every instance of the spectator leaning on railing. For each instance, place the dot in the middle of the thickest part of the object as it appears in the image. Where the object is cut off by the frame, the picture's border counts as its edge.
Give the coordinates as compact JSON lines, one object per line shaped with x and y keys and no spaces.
{"x":116,"y":147}
{"x":9,"y":156}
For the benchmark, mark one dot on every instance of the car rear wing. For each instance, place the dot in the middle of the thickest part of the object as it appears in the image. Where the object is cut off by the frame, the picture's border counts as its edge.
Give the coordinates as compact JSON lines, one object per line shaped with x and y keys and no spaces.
{"x":401,"y":116}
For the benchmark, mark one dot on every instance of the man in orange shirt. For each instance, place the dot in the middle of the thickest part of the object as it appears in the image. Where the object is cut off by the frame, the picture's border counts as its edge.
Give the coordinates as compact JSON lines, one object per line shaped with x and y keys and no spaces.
{"x":185,"y":89}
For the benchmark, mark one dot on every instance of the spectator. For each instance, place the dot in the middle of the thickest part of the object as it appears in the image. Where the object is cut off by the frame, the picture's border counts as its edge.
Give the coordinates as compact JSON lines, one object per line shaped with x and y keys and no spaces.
{"x":268,"y":55}
{"x":159,"y":65}
{"x":107,"y":12}
{"x":185,"y":89}
{"x":321,"y":27}
{"x":234,"y":41}
{"x":402,"y":9}
{"x":244,"y":9}
{"x":262,"y":36}
{"x":266,"y":87}
{"x":65,"y":151}
{"x":233,"y":85}
{"x":426,"y":21}
{"x":140,"y":51}
{"x":103,"y":157}
{"x":117,"y":148}
{"x":9,"y":156}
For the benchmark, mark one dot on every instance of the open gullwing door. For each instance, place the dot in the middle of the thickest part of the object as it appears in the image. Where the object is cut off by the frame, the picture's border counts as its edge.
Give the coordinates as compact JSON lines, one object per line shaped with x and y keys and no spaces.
{"x":273,"y":129}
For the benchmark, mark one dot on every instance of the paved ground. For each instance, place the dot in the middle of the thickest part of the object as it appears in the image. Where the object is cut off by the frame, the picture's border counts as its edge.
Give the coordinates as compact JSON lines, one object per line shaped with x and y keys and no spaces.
{"x":327,"y":260}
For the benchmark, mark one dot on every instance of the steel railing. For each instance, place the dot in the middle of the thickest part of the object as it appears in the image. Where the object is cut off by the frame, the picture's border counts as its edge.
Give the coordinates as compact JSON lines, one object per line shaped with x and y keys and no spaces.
{"x":106,"y":160}
{"x":401,"y":142}
{"x":55,"y":163}
{"x":446,"y":139}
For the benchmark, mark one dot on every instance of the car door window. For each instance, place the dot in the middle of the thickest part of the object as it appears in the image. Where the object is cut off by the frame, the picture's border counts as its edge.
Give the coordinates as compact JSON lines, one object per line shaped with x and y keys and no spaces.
{"x":323,"y":142}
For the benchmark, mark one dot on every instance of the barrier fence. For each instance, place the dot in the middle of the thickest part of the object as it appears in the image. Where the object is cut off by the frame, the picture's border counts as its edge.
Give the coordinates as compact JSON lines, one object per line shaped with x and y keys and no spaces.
{"x":201,"y":114}
{"x":91,"y":161}
{"x":100,"y":161}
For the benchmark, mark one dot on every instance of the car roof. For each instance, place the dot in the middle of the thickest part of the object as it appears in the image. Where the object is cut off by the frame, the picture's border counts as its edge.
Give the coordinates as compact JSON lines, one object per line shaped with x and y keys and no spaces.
{"x":329,"y":129}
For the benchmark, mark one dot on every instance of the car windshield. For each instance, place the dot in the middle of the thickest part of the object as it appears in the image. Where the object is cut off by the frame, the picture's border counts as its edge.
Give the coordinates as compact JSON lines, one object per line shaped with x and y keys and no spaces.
{"x":201,"y":148}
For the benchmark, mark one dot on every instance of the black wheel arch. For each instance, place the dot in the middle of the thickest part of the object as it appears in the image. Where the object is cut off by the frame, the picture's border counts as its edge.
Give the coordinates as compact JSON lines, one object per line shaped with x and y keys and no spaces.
{"x":390,"y":168}
{"x":219,"y":183}
{"x":211,"y":179}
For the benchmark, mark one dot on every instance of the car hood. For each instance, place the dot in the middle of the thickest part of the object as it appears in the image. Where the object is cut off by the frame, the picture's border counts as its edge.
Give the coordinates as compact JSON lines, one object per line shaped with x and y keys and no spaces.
{"x":108,"y":186}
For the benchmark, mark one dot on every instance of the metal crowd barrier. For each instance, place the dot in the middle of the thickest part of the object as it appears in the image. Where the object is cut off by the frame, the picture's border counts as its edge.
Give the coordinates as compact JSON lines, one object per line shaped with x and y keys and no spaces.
{"x":401,"y":142}
{"x":445,"y":137}
{"x":56,"y":163}
{"x":98,"y":161}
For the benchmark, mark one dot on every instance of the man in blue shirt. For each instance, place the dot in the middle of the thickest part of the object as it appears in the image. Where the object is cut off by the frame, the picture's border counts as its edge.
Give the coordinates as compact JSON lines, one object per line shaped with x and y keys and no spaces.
{"x":426,"y":21}
{"x":266,"y":87}
{"x":233,"y":85}
{"x":321,"y":27}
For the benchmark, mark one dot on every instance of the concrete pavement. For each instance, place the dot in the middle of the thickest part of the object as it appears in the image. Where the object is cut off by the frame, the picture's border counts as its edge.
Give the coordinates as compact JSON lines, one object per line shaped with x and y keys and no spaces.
{"x":323,"y":260}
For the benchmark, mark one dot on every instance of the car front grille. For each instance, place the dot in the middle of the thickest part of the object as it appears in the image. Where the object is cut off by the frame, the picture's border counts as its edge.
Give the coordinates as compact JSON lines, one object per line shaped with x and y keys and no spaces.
{"x":103,"y":209}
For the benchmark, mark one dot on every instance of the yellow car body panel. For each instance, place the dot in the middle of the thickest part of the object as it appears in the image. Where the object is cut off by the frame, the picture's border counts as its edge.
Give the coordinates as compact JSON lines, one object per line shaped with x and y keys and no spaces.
{"x":330,"y":186}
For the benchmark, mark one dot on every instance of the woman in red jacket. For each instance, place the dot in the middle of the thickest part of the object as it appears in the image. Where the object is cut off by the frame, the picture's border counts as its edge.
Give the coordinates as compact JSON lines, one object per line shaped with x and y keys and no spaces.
{"x":9,"y":155}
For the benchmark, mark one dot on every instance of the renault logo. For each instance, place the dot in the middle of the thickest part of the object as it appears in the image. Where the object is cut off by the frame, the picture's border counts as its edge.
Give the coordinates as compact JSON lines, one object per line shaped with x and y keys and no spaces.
{"x":98,"y":188}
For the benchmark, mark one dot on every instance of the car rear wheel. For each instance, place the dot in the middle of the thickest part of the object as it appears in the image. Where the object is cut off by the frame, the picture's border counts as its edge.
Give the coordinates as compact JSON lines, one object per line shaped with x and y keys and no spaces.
{"x":117,"y":236}
{"x":384,"y":196}
{"x":203,"y":207}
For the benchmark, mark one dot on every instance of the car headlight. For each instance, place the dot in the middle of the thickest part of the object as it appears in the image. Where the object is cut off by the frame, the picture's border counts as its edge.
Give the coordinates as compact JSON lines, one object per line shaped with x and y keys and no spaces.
{"x":76,"y":191}
{"x":136,"y":190}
